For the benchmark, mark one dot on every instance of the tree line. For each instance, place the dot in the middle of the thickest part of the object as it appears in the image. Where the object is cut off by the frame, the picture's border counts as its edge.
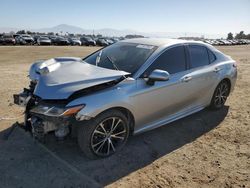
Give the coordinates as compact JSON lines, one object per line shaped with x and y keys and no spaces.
{"x":240,"y":35}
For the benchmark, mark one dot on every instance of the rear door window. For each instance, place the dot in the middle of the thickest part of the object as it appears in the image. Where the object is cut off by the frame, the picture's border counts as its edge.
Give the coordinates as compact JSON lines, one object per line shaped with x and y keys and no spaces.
{"x":198,"y":56}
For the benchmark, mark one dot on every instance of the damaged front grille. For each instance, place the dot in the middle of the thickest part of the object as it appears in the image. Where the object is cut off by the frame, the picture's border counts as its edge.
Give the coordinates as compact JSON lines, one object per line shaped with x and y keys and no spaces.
{"x":41,"y":125}
{"x":37,"y":129}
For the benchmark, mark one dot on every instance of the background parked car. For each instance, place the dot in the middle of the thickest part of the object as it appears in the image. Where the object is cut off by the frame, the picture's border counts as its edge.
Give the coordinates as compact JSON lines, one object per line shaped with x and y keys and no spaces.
{"x":61,"y":41}
{"x":114,"y":39}
{"x":35,"y":37}
{"x":24,"y":39}
{"x":43,"y":41}
{"x":243,"y":41}
{"x":208,"y":41}
{"x":226,"y":42}
{"x":7,"y":39}
{"x":52,"y":39}
{"x":109,"y":41}
{"x":16,"y":35}
{"x":87,"y":41}
{"x":102,"y":42}
{"x":75,"y":41}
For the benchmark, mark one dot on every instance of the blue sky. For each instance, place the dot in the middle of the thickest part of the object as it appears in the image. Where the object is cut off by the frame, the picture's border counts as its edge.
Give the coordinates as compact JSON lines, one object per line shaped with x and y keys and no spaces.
{"x":210,"y":16}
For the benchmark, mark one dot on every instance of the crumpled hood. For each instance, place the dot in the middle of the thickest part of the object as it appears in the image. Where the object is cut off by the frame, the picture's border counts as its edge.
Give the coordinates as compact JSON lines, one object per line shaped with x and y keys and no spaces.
{"x":60,"y":77}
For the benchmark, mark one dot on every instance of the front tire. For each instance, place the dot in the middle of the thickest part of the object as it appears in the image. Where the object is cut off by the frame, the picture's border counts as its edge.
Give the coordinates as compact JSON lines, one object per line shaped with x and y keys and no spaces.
{"x":220,"y":95}
{"x":104,"y":135}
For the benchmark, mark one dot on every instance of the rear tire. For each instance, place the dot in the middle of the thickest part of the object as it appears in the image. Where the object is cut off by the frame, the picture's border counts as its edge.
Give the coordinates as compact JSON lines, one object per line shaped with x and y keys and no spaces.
{"x":104,"y":135}
{"x":220,"y":95}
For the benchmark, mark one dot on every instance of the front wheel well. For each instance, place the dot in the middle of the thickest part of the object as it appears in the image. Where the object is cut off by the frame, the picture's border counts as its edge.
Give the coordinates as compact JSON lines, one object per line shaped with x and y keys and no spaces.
{"x":127,"y":113}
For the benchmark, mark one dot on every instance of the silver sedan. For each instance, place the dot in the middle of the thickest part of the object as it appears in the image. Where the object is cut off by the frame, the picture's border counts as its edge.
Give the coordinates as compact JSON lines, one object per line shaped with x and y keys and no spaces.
{"x":124,"y":89}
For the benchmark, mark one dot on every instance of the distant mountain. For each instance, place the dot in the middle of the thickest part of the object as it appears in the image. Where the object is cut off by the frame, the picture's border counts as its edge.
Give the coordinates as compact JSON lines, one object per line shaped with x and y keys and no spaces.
{"x":64,"y":28}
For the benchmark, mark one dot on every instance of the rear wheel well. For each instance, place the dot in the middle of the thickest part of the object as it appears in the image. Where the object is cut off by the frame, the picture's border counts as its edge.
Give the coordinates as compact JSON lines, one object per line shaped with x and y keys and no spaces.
{"x":228,"y":82}
{"x":127,"y":113}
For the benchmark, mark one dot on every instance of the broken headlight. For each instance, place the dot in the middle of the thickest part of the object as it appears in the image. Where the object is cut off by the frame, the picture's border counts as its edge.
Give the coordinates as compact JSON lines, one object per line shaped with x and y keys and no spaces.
{"x":56,"y":111}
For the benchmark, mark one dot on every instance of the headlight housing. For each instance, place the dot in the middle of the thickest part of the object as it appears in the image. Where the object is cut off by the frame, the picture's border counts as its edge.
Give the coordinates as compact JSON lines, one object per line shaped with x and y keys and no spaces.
{"x":56,"y":111}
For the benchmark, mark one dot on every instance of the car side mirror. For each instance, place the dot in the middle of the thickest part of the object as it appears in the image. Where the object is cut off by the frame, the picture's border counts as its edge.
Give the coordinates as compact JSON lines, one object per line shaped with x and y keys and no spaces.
{"x":158,"y":75}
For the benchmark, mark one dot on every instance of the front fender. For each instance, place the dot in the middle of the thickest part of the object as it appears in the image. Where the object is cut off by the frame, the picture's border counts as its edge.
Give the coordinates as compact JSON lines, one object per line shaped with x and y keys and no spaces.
{"x":99,"y":102}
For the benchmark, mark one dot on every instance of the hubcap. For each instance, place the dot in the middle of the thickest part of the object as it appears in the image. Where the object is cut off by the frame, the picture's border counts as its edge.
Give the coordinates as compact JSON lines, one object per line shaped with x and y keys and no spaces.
{"x":108,"y":136}
{"x":221,"y":94}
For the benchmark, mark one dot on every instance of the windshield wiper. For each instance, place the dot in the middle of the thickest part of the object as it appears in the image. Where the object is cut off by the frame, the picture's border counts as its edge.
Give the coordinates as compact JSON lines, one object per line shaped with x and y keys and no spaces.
{"x":113,"y":63}
{"x":98,"y":59}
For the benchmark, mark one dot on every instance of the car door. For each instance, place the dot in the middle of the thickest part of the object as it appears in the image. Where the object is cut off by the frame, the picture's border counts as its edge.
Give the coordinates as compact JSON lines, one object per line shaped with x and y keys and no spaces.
{"x":156,"y":102}
{"x":201,"y":74}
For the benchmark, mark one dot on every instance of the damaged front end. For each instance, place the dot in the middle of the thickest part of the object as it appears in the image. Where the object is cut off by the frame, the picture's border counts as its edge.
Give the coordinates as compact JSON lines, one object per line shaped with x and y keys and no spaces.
{"x":42,"y":117}
{"x":46,"y":117}
{"x":54,"y":84}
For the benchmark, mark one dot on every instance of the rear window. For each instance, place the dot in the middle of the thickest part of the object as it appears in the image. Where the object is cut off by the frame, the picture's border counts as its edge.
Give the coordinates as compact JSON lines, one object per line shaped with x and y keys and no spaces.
{"x":198,"y":56}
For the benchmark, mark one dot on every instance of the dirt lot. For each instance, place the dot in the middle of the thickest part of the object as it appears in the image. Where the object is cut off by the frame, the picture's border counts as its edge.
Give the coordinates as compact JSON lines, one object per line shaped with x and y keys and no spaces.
{"x":207,"y":149}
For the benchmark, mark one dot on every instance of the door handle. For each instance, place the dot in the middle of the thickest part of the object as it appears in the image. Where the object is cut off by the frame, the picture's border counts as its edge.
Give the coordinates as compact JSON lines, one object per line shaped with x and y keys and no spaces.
{"x":186,"y":79}
{"x":217,"y":69}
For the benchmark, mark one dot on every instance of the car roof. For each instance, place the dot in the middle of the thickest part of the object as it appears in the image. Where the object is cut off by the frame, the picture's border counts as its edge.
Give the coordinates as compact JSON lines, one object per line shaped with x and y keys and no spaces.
{"x":159,"y":41}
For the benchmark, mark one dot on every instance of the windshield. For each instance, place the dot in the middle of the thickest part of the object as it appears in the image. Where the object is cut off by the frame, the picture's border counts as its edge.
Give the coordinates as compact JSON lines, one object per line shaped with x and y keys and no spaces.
{"x":127,"y":57}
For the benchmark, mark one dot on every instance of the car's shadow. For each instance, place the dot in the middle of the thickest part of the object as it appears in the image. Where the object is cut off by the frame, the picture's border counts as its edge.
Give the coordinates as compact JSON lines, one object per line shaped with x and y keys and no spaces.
{"x":140,"y":150}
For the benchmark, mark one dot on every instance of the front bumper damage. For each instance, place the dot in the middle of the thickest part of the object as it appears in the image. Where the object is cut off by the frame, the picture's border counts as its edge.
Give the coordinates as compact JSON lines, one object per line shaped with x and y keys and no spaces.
{"x":42,"y":125}
{"x":39,"y":124}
